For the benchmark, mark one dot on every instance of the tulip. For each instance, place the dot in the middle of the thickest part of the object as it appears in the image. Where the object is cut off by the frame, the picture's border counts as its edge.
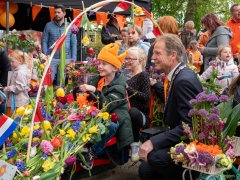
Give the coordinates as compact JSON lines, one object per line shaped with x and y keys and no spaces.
{"x":70,"y":160}
{"x":36,"y":177}
{"x":47,"y":165}
{"x":114,"y":118}
{"x":25,"y":131}
{"x":33,"y":151}
{"x":20,"y":111}
{"x":62,"y":132}
{"x":86,"y":137}
{"x":47,"y":125}
{"x":56,"y":142}
{"x":60,"y":92}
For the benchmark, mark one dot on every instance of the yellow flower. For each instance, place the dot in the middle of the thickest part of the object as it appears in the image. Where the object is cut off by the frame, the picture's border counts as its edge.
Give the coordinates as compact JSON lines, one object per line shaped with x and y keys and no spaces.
{"x":54,"y":103}
{"x":41,"y":66}
{"x":93,"y":129}
{"x":71,"y":133}
{"x":36,"y":127}
{"x":25,"y":131}
{"x":138,"y":11}
{"x":46,"y":125}
{"x":20,"y":111}
{"x":85,"y":41}
{"x":60,"y":92}
{"x":28,"y":106}
{"x":28,"y":111}
{"x":62,"y":132}
{"x":104,"y":115}
{"x":47,"y":165}
{"x":15,"y":136}
{"x":86,"y":137}
{"x":35,"y":139}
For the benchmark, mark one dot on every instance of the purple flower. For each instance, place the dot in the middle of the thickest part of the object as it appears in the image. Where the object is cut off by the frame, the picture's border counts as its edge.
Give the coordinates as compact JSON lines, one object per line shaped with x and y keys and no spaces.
{"x":89,"y":59}
{"x":76,"y":126}
{"x":213,"y":118}
{"x":231,"y":153}
{"x":204,"y":158}
{"x":180,"y":149}
{"x":45,"y":156}
{"x":74,"y":29}
{"x":38,"y":48}
{"x":201,"y":97}
{"x":36,"y":143}
{"x":94,"y":113}
{"x":25,"y":145}
{"x":192,"y":112}
{"x":20,"y":165}
{"x":34,"y":55}
{"x":155,"y":76}
{"x":193,"y":156}
{"x":69,"y":145}
{"x":211,"y":63}
{"x":150,"y":69}
{"x":9,"y":144}
{"x":202,"y":113}
{"x":193,"y":102}
{"x":11,"y":153}
{"x":70,"y":160}
{"x":224,"y":98}
{"x":72,"y":60}
{"x":215,"y":110}
{"x":201,"y":136}
{"x":40,"y":132}
{"x":212,"y":98}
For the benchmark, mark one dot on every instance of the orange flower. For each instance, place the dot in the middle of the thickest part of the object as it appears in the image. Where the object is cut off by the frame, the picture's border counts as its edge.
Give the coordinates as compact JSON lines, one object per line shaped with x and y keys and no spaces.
{"x":214,"y":150}
{"x":82,"y":99}
{"x":76,"y":73}
{"x":56,"y":142}
{"x":92,"y":108}
{"x":188,"y":51}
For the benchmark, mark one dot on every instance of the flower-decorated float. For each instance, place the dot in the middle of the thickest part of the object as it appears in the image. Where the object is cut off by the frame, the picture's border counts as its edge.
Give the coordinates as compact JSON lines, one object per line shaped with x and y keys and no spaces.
{"x":51,"y":131}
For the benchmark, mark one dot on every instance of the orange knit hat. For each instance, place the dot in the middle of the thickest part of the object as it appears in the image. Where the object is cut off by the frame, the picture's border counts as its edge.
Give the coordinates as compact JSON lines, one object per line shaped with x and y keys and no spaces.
{"x":109,"y":53}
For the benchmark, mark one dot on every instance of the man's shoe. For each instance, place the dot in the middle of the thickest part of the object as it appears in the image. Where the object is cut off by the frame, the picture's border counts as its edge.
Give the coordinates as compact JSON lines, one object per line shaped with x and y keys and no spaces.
{"x":134,"y":151}
{"x":89,"y":157}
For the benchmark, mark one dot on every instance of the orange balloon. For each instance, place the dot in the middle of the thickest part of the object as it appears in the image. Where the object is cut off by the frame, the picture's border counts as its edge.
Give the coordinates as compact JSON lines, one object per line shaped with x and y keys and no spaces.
{"x":13,"y":7}
{"x":1,"y":11}
{"x":3,"y":20}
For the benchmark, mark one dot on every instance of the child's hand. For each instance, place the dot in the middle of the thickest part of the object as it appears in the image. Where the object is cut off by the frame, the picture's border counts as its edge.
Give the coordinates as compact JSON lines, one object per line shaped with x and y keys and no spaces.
{"x":5,"y":89}
{"x":152,"y":81}
{"x":86,"y":87}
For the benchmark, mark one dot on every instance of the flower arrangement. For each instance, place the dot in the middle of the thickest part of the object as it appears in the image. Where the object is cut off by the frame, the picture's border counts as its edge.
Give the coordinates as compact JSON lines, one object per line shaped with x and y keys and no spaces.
{"x":211,"y":149}
{"x":57,"y":140}
{"x":157,"y":105}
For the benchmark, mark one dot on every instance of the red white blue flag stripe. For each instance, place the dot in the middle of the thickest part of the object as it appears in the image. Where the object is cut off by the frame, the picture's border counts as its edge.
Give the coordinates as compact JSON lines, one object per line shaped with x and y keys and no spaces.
{"x":122,"y":6}
{"x":7,"y":126}
{"x":153,"y":34}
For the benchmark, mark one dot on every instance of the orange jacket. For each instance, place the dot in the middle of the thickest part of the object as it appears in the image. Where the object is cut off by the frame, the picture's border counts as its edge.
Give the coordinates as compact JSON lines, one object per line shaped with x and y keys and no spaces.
{"x":235,"y":28}
{"x":203,"y":39}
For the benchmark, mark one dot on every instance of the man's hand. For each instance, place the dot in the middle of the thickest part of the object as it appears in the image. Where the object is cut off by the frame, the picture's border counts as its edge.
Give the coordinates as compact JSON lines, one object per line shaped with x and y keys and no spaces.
{"x":86,"y":87}
{"x":5,"y":89}
{"x":144,"y":149}
{"x":201,"y":49}
{"x":152,"y":81}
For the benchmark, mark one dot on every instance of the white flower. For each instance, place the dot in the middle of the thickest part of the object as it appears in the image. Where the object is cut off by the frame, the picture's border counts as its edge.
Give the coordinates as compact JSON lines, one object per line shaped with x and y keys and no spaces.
{"x":190,"y":149}
{"x":36,"y":177}
{"x":33,"y":151}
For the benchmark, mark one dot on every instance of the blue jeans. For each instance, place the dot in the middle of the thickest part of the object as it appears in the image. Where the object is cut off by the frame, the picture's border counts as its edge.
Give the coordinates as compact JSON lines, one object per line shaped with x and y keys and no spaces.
{"x":54,"y":69}
{"x":98,"y":146}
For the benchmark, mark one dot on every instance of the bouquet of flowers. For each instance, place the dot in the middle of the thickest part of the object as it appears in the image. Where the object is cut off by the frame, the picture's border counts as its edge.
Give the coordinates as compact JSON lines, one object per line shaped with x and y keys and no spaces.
{"x":156,"y":105}
{"x":211,"y":149}
{"x":57,"y":139}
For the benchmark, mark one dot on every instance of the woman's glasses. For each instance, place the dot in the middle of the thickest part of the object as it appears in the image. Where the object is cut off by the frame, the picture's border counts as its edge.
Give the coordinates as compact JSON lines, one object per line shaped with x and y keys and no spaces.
{"x":129,"y":59}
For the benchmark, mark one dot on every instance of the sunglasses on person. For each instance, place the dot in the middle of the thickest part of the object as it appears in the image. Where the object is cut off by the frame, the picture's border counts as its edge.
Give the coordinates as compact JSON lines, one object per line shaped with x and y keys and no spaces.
{"x":133,"y":32}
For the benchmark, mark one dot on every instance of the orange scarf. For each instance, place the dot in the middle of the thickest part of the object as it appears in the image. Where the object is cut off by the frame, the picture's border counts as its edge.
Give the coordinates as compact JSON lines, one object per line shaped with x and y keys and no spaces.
{"x":100,"y":84}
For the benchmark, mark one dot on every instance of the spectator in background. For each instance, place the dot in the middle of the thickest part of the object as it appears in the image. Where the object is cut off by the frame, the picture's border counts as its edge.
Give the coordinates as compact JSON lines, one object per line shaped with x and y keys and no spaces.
{"x":168,"y":24}
{"x":186,"y":34}
{"x":4,"y":67}
{"x":219,"y":35}
{"x":234,"y":24}
{"x":124,"y":34}
{"x":112,"y":31}
{"x":194,"y":31}
{"x":52,"y":31}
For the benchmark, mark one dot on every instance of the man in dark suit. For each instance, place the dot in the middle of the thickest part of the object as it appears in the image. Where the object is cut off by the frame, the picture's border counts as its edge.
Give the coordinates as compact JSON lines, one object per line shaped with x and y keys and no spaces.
{"x":183,"y":86}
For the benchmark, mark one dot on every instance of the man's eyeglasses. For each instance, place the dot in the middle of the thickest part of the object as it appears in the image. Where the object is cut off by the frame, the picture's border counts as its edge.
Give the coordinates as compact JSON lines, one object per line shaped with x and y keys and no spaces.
{"x":129,"y":59}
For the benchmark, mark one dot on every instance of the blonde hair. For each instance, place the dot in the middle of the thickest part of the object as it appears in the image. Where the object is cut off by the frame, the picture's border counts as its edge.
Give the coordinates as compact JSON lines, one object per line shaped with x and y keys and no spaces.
{"x":168,"y":24}
{"x":125,"y":29}
{"x":21,"y":56}
{"x":220,"y":49}
{"x":192,"y":43}
{"x":139,"y":31}
{"x":189,"y":24}
{"x":140,"y":54}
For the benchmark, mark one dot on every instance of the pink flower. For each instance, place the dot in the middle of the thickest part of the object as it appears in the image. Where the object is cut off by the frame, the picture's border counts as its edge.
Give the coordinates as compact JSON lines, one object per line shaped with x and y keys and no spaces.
{"x":70,"y":160}
{"x":231,"y":153}
{"x":46,"y":146}
{"x":75,"y":117}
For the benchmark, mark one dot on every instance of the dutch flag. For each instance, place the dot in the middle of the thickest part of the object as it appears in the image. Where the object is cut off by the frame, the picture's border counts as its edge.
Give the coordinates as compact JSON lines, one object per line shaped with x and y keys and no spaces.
{"x":122,"y":6}
{"x":153,"y":34}
{"x":7,"y":126}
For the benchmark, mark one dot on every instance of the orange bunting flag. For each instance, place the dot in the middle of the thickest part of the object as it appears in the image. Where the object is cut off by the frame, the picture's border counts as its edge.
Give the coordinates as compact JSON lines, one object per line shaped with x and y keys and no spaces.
{"x":121,"y":20}
{"x":51,"y":11}
{"x":35,"y":11}
{"x":102,"y":16}
{"x":139,"y":21}
{"x":76,"y":12}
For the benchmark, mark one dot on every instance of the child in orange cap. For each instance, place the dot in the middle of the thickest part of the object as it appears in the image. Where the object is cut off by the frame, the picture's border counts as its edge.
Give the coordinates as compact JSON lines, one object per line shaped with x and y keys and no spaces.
{"x":110,"y":85}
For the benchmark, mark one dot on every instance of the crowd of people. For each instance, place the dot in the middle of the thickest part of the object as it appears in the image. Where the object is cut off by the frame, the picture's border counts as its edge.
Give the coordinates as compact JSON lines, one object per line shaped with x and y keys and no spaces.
{"x":218,"y":41}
